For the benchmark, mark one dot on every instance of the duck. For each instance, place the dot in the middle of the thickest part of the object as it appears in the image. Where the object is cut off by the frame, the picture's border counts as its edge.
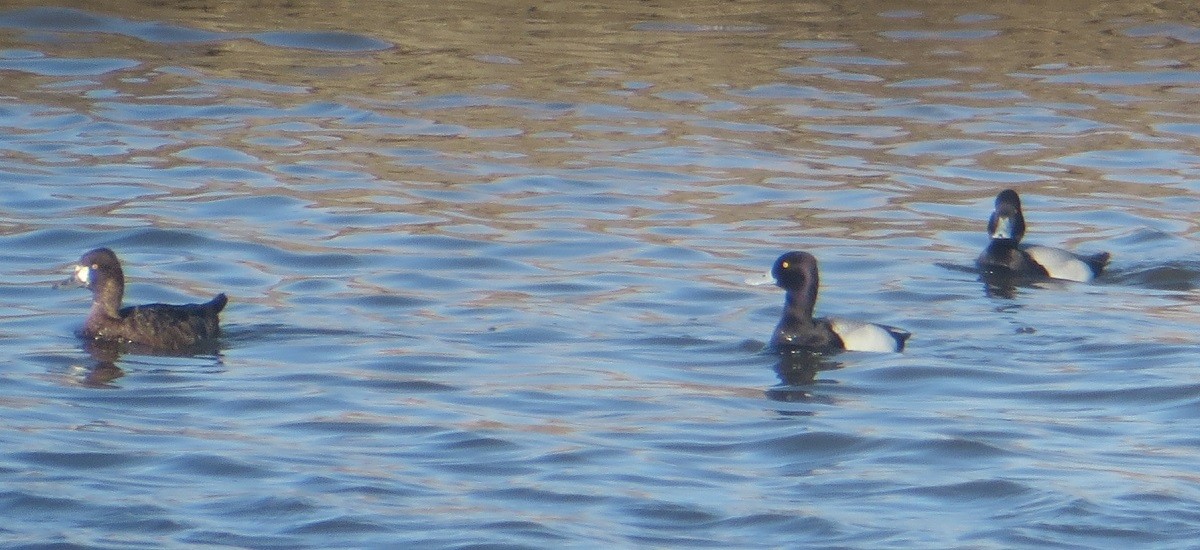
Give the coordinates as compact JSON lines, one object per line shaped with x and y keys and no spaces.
{"x":796,"y":272}
{"x":1006,"y":255}
{"x":154,"y":326}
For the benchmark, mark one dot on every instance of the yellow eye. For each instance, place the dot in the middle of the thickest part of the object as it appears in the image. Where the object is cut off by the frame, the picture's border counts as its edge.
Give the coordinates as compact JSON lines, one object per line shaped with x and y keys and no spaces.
{"x":784,"y":265}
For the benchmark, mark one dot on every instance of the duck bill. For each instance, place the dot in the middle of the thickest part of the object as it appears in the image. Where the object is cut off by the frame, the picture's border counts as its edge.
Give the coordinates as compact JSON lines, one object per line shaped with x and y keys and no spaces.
{"x":69,"y":281}
{"x":79,"y":278}
{"x":1003,"y":228}
{"x":760,"y":280}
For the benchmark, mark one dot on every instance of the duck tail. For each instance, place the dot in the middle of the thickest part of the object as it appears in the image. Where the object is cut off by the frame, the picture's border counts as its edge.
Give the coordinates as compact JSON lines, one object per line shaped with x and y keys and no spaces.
{"x":217,"y":303}
{"x":1097,"y":262}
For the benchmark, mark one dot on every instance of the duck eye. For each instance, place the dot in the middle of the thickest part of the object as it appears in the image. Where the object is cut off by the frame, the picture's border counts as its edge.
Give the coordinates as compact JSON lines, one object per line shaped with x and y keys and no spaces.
{"x":785,"y":265}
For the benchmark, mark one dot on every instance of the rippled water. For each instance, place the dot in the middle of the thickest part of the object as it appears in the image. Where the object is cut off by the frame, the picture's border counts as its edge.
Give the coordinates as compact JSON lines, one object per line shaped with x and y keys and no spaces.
{"x":486,"y":275}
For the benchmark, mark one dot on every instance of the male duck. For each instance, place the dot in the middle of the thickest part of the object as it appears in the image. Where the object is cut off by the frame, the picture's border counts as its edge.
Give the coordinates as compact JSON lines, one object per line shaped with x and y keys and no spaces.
{"x":796,"y":272}
{"x":1006,"y":255}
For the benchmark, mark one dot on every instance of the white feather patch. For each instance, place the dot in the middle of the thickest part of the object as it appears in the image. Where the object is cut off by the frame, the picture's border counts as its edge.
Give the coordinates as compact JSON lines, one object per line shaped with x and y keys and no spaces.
{"x":860,"y":336}
{"x":82,"y":273}
{"x":1061,"y":264}
{"x":1003,"y":228}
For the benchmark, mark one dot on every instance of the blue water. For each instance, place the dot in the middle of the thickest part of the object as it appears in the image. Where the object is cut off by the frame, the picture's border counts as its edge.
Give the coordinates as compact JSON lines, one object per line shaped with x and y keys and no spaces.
{"x":486,"y":276}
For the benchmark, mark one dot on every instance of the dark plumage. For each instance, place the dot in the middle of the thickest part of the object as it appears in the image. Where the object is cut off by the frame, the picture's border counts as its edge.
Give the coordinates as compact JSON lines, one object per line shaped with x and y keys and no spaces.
{"x":157,"y":326}
{"x":1006,"y":255}
{"x":796,"y":272}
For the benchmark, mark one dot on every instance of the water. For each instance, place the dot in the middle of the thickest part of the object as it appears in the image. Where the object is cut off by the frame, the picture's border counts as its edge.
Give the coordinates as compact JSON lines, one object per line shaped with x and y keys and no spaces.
{"x":486,"y":275}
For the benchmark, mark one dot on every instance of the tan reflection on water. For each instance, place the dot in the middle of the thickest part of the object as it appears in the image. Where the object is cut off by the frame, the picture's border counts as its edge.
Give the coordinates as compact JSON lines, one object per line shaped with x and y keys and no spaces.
{"x":676,"y":74}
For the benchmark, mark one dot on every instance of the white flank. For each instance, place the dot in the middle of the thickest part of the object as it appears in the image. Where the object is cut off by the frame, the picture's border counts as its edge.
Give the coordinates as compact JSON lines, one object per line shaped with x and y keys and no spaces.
{"x":1061,"y":264}
{"x":860,"y":336}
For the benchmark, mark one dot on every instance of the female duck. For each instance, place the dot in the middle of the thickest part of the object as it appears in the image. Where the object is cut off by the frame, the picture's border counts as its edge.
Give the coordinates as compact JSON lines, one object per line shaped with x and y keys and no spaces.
{"x":796,"y":272}
{"x":158,"y":326}
{"x":1006,"y":255}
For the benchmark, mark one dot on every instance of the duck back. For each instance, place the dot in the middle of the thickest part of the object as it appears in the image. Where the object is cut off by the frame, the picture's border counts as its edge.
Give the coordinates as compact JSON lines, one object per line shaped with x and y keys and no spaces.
{"x":162,"y":326}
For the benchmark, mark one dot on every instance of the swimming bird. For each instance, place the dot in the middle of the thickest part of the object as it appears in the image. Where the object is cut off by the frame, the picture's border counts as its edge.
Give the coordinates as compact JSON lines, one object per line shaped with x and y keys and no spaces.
{"x":796,"y":273}
{"x":1006,"y":255}
{"x":156,"y":326}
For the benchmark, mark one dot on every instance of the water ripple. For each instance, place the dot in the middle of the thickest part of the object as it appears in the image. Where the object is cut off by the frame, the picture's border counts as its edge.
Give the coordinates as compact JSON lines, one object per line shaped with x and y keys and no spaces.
{"x":489,"y":292}
{"x":66,"y":20}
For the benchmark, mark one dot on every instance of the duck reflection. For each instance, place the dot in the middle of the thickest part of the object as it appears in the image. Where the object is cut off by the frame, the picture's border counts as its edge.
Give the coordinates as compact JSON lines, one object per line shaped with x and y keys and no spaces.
{"x":104,"y":369}
{"x":1006,"y":285}
{"x":797,"y":370}
{"x":999,"y":285}
{"x":106,"y":354}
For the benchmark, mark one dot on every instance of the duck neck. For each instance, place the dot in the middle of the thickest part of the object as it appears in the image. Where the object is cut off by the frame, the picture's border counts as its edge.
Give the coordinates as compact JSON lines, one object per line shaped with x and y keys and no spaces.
{"x":106,"y":298}
{"x":799,"y":304}
{"x":1003,"y":245}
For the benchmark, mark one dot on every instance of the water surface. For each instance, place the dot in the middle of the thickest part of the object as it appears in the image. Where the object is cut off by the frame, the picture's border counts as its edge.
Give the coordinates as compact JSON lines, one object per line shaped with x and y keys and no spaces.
{"x":486,"y":271}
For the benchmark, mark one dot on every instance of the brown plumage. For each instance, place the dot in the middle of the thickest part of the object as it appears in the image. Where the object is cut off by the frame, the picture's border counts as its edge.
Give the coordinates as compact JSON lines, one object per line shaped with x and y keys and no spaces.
{"x":157,"y":326}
